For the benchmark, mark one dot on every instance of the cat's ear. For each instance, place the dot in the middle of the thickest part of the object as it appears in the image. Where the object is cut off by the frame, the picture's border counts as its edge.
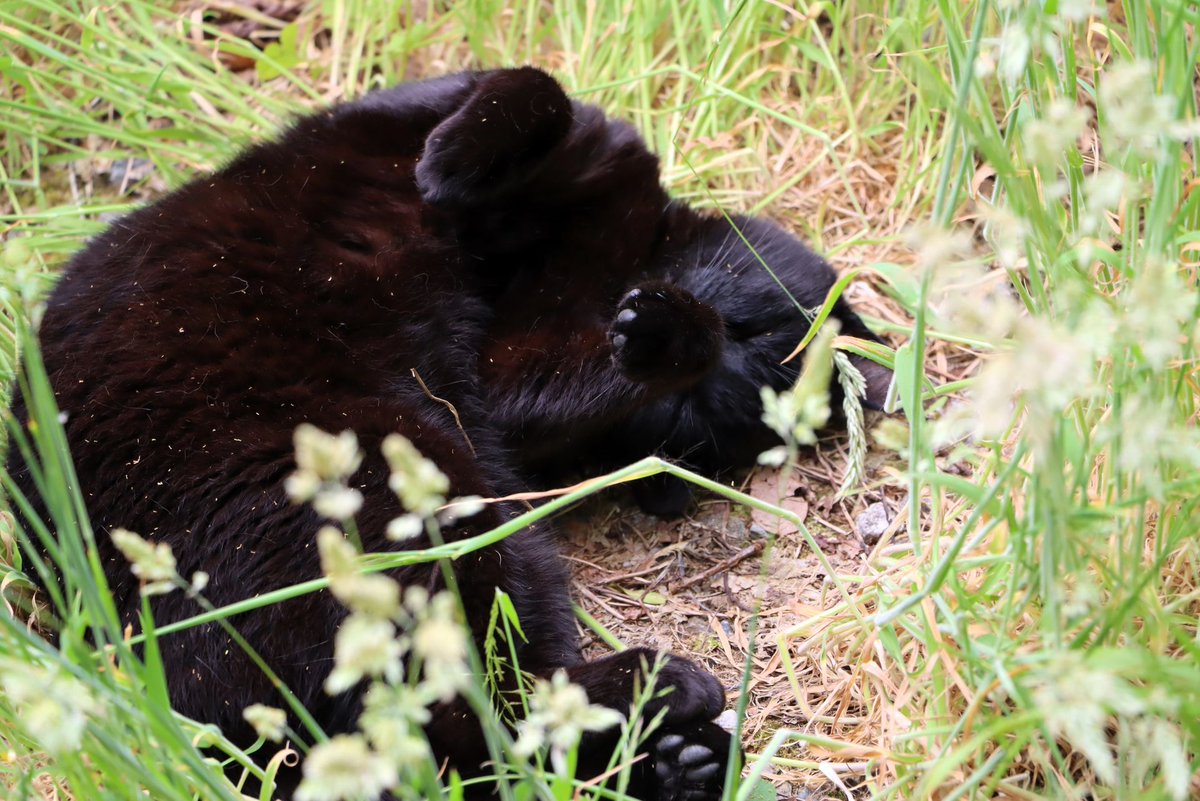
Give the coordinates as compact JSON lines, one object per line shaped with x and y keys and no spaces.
{"x":485,"y":149}
{"x":878,"y":379}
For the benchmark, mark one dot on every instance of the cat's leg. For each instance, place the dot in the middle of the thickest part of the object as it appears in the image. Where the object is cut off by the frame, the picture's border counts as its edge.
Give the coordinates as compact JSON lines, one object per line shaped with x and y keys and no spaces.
{"x":489,"y":146}
{"x":520,"y":168}
{"x":685,"y":690}
{"x":665,"y":340}
{"x":684,"y":758}
{"x":675,"y":762}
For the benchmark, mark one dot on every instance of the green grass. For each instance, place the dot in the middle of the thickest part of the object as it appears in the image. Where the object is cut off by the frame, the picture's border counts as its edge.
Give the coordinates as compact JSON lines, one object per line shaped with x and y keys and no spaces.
{"x":1032,"y":631}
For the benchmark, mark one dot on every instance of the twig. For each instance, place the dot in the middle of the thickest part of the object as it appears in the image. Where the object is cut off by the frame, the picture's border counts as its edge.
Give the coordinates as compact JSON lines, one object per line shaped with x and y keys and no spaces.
{"x":733,"y":599}
{"x":740,"y":556}
{"x":448,"y":405}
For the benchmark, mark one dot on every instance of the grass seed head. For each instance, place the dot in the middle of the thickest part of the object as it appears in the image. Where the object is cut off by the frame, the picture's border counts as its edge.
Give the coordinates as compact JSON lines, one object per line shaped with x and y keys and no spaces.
{"x":1135,"y":114}
{"x":153,"y":563}
{"x":392,"y":719}
{"x":53,"y":707}
{"x":332,"y":458}
{"x":559,"y":714}
{"x":417,"y":481}
{"x":268,"y":722}
{"x":365,"y":646}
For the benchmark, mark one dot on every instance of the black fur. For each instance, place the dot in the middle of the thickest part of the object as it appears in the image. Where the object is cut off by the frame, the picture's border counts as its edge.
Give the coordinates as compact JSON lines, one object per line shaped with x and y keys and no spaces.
{"x":512,"y":247}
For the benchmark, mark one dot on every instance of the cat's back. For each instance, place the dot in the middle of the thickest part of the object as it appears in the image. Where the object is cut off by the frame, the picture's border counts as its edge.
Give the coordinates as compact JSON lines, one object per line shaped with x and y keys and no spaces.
{"x":310,"y":252}
{"x":302,"y":280}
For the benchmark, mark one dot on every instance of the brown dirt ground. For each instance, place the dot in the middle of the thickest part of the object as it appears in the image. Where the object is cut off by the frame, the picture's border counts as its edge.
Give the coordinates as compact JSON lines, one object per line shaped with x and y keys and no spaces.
{"x":691,"y":586}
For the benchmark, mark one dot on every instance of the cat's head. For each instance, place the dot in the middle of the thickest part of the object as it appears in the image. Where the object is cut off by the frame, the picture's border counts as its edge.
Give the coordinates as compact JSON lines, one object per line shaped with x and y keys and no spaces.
{"x":769,"y":288}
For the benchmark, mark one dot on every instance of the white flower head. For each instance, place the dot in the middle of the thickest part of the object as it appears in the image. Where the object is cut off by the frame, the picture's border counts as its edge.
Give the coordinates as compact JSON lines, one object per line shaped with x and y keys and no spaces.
{"x":439,"y":640}
{"x":936,"y":247}
{"x":1049,"y":366}
{"x":773,"y":457}
{"x":370,"y":594}
{"x":328,"y":457}
{"x":1015,"y":49}
{"x":365,"y":646}
{"x":405,"y":527}
{"x":971,"y":300}
{"x":797,"y":414}
{"x":1158,"y":744}
{"x":268,"y":722}
{"x":1185,"y":130}
{"x":416,"y":598}
{"x":1157,"y":307}
{"x":345,"y":769}
{"x":1103,"y":192}
{"x":1145,"y":437}
{"x":337,"y":502}
{"x":1006,"y":232}
{"x":1133,"y":111}
{"x":1080,"y":699}
{"x":392,"y":719}
{"x":417,"y":481}
{"x":1047,"y":138}
{"x":339,"y":558}
{"x":985,"y":62}
{"x":153,"y":563}
{"x":399,"y":702}
{"x":559,"y":714}
{"x":52,"y":706}
{"x":1079,"y":10}
{"x":302,"y":486}
{"x":460,"y":509}
{"x":324,"y":462}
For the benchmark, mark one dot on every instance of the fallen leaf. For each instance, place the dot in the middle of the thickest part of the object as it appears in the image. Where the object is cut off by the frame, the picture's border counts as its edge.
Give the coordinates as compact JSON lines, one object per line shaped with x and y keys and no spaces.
{"x":780,"y":488}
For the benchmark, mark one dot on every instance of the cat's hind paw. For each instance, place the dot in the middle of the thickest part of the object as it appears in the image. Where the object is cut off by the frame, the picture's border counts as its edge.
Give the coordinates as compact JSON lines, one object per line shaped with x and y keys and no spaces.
{"x":484,"y":151}
{"x":663,"y":336}
{"x":690,"y":762}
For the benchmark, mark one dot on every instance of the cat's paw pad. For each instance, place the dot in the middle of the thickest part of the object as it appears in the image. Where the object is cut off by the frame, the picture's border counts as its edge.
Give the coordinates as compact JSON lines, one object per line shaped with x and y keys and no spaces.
{"x":689,"y":764}
{"x":661,"y":334}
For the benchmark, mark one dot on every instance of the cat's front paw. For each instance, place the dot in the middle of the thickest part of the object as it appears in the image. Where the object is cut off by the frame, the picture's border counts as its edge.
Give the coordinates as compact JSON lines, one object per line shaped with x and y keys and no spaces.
{"x":689,"y":762}
{"x":663,"y":336}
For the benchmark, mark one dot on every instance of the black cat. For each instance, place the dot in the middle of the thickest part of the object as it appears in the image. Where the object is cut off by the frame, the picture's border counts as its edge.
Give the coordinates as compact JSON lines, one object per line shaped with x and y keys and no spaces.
{"x":479,"y":241}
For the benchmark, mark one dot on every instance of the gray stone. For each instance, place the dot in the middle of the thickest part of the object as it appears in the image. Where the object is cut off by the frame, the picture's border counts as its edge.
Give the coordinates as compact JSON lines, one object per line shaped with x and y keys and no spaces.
{"x":872,"y":522}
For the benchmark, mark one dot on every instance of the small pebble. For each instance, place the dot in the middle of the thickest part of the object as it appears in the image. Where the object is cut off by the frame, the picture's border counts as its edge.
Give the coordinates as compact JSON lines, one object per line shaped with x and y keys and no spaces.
{"x":873,"y":521}
{"x":128,"y":171}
